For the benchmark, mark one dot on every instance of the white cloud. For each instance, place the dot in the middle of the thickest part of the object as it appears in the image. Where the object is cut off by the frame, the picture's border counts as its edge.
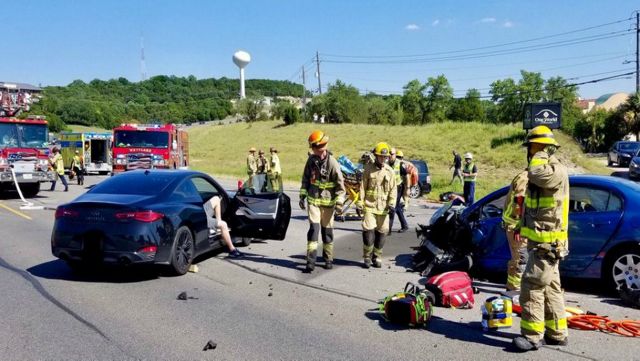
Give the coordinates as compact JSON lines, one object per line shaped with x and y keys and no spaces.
{"x":412,"y":27}
{"x":488,"y":20}
{"x":508,"y":24}
{"x":435,"y":22}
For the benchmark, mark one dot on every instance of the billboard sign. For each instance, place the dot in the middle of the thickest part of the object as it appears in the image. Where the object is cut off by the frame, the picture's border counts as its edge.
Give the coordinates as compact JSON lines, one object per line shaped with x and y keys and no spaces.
{"x":549,"y":114}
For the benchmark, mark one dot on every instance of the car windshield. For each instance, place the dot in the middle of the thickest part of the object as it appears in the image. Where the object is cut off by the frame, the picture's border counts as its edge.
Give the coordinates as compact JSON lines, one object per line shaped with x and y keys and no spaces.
{"x":630,"y":146}
{"x":23,"y":135}
{"x":140,"y":183}
{"x":137,"y":138}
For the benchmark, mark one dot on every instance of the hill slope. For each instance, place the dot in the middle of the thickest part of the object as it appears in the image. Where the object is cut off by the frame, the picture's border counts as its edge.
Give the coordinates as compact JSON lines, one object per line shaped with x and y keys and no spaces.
{"x":222,"y":149}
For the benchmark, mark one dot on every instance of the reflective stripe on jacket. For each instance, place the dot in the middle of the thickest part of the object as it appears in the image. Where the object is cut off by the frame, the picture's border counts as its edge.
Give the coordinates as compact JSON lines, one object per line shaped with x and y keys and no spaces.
{"x":511,"y":215}
{"x":468,"y":168}
{"x":397,"y":169}
{"x":546,"y":215}
{"x":322,"y":182}
{"x":378,"y":189}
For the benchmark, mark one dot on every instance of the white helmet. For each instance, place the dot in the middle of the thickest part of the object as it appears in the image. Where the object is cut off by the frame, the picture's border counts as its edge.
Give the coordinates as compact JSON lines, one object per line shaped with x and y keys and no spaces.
{"x":468,"y":156}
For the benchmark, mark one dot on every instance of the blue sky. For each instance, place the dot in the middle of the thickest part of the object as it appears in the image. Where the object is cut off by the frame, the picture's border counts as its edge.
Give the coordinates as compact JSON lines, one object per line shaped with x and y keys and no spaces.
{"x":56,"y":42}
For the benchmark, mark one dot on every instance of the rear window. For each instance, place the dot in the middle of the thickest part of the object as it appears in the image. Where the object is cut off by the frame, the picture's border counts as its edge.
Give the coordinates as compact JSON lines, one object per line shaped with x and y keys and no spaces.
{"x":633,"y":146}
{"x":421,"y":165}
{"x":136,"y":184}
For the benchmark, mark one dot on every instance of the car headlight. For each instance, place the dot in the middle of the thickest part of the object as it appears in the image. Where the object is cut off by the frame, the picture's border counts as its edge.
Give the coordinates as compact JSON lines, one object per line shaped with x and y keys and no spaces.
{"x":635,"y":165}
{"x":626,"y":155}
{"x":119,"y":161}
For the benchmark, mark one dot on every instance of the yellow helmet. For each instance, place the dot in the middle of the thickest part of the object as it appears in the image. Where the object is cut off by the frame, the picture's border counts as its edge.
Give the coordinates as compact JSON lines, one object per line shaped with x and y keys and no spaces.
{"x":382,"y":148}
{"x":399,"y":154}
{"x":541,"y":135}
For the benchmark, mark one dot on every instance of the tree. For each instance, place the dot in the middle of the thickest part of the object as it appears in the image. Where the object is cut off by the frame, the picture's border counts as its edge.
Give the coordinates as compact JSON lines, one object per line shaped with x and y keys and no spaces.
{"x":631,"y":114}
{"x":596,"y":120}
{"x":412,"y":99}
{"x":437,"y":100}
{"x":250,"y":108}
{"x":469,"y":108}
{"x":344,"y":104}
{"x":504,"y":94}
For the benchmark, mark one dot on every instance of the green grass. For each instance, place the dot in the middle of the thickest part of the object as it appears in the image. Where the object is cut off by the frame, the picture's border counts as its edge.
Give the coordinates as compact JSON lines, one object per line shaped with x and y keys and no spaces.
{"x":222,"y":150}
{"x":74,"y":128}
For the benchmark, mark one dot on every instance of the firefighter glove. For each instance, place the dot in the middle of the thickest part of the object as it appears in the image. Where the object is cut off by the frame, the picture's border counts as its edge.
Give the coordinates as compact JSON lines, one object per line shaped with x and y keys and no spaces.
{"x":302,"y":205}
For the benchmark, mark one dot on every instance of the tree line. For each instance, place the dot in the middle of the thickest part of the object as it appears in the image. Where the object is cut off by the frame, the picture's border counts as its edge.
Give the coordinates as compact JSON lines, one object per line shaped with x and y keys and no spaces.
{"x":107,"y":103}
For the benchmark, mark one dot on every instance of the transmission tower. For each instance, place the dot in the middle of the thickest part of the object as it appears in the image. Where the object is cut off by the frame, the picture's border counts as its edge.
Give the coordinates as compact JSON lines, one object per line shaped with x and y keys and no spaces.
{"x":143,"y":67}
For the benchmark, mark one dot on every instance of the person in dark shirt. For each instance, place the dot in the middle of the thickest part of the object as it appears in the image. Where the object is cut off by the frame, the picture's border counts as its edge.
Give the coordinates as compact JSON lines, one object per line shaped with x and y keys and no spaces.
{"x":457,"y":167}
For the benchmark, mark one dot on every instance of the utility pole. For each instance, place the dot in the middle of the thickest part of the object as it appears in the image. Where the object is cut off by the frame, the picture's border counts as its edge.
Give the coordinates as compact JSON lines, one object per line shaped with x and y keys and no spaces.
{"x":304,"y":91}
{"x":318,"y":72}
{"x":637,"y":51}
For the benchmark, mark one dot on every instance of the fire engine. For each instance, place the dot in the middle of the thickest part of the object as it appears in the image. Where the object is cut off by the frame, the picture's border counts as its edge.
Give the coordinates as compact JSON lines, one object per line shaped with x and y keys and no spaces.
{"x":24,"y":147}
{"x":145,"y":146}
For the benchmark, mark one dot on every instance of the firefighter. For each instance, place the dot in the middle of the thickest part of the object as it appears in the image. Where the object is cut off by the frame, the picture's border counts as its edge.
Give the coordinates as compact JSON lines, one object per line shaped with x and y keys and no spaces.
{"x":511,"y":216}
{"x":252,"y":166}
{"x":77,"y":165}
{"x":545,"y":227}
{"x":275,"y":172}
{"x":58,"y":166}
{"x":469,"y":173}
{"x":323,"y":190}
{"x":261,"y":163}
{"x":402,"y":194}
{"x":377,"y":199}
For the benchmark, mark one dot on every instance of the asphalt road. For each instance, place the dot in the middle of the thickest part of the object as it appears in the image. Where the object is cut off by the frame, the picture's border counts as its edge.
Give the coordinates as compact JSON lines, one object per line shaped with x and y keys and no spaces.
{"x":261,"y":307}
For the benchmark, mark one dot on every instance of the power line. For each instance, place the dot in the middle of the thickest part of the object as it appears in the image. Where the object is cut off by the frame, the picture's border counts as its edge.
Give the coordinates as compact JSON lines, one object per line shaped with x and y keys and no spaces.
{"x":482,"y":47}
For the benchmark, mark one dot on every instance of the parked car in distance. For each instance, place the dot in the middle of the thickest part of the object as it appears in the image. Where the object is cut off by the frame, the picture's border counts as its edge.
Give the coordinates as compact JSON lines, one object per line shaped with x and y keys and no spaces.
{"x":604,"y":242}
{"x":424,"y":179}
{"x":621,"y":153}
{"x":634,"y":166}
{"x":157,"y":217}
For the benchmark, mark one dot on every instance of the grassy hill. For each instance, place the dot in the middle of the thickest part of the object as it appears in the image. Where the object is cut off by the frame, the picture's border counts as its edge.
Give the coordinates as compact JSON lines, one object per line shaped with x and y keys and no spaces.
{"x":222,"y":149}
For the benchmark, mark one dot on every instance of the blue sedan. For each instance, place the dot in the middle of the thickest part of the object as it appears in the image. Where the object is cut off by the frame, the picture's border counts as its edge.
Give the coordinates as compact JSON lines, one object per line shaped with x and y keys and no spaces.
{"x":604,"y":231}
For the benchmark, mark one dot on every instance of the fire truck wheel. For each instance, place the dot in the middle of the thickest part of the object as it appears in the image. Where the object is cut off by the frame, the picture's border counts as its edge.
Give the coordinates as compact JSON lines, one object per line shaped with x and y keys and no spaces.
{"x":30,"y":190}
{"x":103,"y":172}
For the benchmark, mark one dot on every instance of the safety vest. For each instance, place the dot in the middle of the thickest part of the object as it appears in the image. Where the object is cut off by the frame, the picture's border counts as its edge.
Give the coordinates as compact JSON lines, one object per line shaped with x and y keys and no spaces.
{"x":58,"y":163}
{"x":322,"y":182}
{"x":468,"y":168}
{"x":397,"y":164}
{"x":77,"y":161}
{"x":546,"y":215}
{"x":511,"y":215}
{"x":377,"y":189}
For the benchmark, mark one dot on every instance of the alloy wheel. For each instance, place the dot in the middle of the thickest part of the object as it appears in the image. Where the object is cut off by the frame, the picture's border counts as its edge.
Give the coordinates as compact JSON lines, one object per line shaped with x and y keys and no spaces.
{"x":626,"y":269}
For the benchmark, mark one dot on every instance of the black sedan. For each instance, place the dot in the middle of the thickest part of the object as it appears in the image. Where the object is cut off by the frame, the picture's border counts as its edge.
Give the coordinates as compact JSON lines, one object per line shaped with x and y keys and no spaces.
{"x":157,"y":217}
{"x":622,"y":152}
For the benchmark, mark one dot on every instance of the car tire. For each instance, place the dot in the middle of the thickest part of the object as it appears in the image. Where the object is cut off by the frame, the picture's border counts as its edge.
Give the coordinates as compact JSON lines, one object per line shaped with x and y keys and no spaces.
{"x":415,"y":191}
{"x":30,"y":190}
{"x":622,"y":265}
{"x":183,"y":251}
{"x":242,"y":241}
{"x":609,"y":162}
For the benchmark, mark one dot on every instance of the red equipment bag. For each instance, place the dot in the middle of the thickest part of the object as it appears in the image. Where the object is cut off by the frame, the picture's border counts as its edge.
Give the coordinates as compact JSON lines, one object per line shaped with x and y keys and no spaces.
{"x":412,"y":171}
{"x":452,"y":289}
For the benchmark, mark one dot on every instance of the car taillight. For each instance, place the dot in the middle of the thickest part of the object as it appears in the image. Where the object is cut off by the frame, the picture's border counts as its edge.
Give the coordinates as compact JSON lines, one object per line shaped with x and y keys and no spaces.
{"x":148,"y":249}
{"x":141,"y":216}
{"x":62,"y":212}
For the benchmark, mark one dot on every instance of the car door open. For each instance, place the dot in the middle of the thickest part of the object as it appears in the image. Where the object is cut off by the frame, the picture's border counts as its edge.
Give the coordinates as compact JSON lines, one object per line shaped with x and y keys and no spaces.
{"x":259,"y":215}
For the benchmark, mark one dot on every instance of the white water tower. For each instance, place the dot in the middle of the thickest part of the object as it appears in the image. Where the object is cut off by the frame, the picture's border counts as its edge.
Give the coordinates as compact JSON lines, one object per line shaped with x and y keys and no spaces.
{"x":241,"y":59}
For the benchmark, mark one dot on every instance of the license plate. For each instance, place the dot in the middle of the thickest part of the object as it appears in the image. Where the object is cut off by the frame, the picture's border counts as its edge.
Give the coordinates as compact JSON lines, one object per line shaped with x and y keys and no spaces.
{"x":27,"y":176}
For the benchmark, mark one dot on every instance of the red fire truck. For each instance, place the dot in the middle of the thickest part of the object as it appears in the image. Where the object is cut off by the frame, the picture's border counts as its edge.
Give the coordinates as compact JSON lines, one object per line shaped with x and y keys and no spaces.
{"x":145,"y":146}
{"x":24,"y":147}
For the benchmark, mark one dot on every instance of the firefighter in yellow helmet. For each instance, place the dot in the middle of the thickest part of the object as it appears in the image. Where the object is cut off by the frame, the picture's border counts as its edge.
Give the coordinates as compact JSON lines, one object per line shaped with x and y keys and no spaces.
{"x":323,"y":190}
{"x":377,"y":199}
{"x":511,"y":221}
{"x":545,"y":227}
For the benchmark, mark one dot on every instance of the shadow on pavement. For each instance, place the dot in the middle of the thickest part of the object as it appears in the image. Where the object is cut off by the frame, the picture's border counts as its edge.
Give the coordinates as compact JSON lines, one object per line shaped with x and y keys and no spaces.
{"x":58,"y":269}
{"x":467,"y":332}
{"x":621,"y":174}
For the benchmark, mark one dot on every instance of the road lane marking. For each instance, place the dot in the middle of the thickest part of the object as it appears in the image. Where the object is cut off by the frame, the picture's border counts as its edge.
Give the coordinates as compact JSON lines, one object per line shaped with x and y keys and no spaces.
{"x":15,"y":211}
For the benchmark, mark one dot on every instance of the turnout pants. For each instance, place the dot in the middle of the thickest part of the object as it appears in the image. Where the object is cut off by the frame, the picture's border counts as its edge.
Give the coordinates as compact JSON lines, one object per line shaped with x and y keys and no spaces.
{"x":518,"y":261}
{"x":399,"y":209}
{"x":320,"y":221}
{"x":542,"y":299}
{"x":276,"y":182}
{"x":374,"y":231}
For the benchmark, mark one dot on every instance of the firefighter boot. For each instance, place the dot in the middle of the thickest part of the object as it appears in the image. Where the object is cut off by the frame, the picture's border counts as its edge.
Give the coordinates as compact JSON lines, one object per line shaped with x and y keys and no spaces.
{"x":367,"y":247}
{"x":377,"y":249}
{"x":327,"y":247}
{"x":312,"y":246}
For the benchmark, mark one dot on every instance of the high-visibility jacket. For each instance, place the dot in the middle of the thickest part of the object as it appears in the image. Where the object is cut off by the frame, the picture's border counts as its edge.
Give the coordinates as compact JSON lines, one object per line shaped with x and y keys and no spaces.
{"x":511,"y":213}
{"x":378,"y":189}
{"x":274,"y":164}
{"x":546,"y":214}
{"x":252,"y":165}
{"x":322,"y":181}
{"x":77,"y":162}
{"x":469,"y":168}
{"x":58,"y":163}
